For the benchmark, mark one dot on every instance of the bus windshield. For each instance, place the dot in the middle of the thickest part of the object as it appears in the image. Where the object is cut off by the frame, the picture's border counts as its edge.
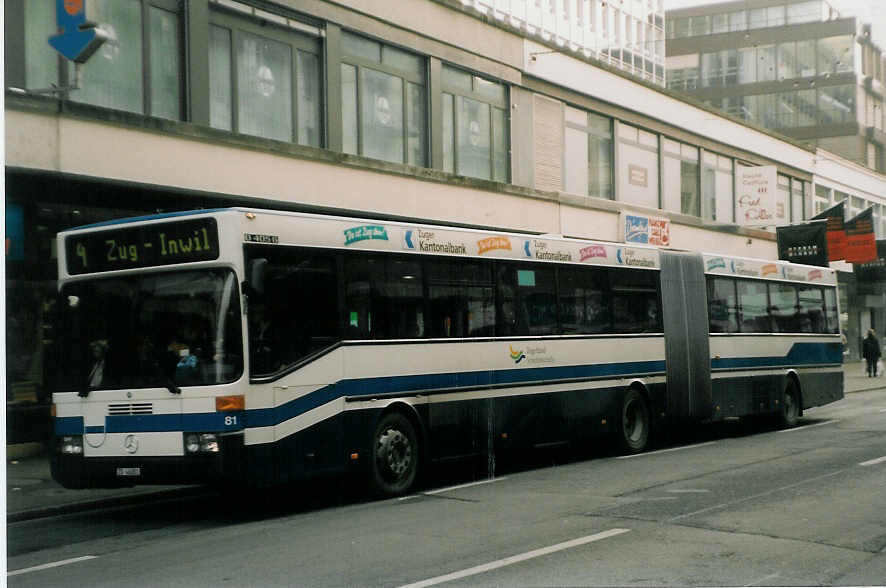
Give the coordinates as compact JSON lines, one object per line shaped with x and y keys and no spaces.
{"x":169,"y":329}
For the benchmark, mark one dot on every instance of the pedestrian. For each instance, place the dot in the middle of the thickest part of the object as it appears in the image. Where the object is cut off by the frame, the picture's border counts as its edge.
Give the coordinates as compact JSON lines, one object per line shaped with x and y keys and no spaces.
{"x":870,"y":350}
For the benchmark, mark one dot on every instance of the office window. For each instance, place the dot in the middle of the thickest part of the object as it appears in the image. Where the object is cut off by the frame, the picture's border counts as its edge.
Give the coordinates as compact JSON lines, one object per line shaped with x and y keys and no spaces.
{"x":638,"y":166}
{"x":786,"y":110}
{"x":588,"y":141}
{"x":797,"y":201}
{"x":806,"y":58}
{"x":804,"y":12}
{"x":264,"y":81}
{"x":720,"y":23}
{"x":806,"y":108}
{"x":700,"y":25}
{"x":783,"y":200}
{"x":681,"y":178}
{"x":747,"y":65}
{"x":384,"y":101}
{"x":475,"y":133}
{"x":717,"y":188}
{"x":787,"y":60}
{"x":738,"y":21}
{"x":41,"y":60}
{"x":835,"y":54}
{"x":821,"y":199}
{"x":836,"y":104}
{"x":757,"y":18}
{"x":766,"y":70}
{"x":139,"y":68}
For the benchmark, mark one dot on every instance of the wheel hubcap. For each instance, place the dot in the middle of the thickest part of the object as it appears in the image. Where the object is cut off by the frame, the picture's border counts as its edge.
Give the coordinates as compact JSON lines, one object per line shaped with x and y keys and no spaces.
{"x":394,"y":452}
{"x":633,"y":422}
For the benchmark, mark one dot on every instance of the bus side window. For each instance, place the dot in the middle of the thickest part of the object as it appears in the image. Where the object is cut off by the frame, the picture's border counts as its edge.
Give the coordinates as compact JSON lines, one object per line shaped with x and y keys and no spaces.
{"x":723,"y":305}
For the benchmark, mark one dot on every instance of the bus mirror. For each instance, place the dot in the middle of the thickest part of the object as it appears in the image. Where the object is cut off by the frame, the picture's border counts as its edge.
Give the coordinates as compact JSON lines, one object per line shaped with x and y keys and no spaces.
{"x":257,"y":268}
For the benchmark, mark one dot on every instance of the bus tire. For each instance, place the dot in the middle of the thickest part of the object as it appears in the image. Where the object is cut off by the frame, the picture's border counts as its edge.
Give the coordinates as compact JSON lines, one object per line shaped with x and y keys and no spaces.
{"x":635,"y":422}
{"x":395,"y":455}
{"x":790,"y":406}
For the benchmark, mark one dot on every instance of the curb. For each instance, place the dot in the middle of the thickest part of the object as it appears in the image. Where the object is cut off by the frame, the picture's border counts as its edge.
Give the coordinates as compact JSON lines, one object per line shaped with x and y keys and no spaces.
{"x":110,"y":502}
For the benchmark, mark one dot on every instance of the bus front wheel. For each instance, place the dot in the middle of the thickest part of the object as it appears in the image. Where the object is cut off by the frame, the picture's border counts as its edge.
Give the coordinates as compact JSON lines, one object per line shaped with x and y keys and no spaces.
{"x":394,"y":455}
{"x":635,"y":422}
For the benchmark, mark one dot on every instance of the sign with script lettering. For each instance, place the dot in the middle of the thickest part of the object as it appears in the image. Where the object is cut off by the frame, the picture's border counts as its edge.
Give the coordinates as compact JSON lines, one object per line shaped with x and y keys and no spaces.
{"x":755,"y":189}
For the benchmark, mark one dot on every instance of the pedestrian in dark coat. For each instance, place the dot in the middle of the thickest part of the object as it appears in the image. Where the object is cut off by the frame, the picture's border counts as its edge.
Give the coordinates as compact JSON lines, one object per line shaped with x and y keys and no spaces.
{"x":870,"y":351}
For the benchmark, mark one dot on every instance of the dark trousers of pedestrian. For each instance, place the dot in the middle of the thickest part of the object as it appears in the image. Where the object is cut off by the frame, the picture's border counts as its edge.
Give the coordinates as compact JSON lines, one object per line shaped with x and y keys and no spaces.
{"x":872,"y":368}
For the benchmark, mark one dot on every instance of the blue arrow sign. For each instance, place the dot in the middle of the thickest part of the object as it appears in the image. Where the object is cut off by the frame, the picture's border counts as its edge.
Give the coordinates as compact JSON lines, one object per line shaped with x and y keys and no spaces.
{"x":77,"y":39}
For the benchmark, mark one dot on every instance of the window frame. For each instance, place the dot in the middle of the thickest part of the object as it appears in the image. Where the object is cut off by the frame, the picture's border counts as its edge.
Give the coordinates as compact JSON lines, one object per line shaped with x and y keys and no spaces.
{"x":422,"y":79}
{"x":477,"y":96}
{"x":296,"y":40}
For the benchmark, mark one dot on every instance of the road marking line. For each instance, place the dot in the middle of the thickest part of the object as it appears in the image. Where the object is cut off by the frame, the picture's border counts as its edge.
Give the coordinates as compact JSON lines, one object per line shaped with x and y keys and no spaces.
{"x":830,"y":422}
{"x":54,"y":564}
{"x":754,"y":497}
{"x":665,"y":450}
{"x":764,"y":581}
{"x":500,"y":563}
{"x":460,"y":486}
{"x":871,"y":462}
{"x":688,"y":491}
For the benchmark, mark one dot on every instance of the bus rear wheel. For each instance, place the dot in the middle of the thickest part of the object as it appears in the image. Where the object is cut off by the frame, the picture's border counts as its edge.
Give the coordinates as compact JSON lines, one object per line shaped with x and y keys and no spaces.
{"x":635,"y":422}
{"x":394,"y":455}
{"x":790,"y":406}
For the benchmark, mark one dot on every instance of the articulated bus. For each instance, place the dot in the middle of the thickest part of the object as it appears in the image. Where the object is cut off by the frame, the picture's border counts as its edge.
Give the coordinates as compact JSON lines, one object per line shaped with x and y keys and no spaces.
{"x":246,"y":346}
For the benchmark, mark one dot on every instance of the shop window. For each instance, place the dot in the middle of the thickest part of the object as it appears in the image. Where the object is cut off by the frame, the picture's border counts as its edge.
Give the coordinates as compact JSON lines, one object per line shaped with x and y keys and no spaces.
{"x":475,"y":134}
{"x":264,"y":81}
{"x":384,"y":102}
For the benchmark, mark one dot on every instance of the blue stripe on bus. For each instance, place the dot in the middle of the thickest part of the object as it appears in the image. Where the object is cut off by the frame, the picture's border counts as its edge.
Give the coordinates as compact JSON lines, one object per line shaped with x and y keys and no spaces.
{"x":800,"y":354}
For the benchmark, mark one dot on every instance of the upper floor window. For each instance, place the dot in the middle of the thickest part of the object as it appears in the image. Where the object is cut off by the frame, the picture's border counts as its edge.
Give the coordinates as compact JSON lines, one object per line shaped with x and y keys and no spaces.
{"x":139,"y":69}
{"x":588,"y":161}
{"x":384,"y":101}
{"x":475,"y":121}
{"x":264,"y":81}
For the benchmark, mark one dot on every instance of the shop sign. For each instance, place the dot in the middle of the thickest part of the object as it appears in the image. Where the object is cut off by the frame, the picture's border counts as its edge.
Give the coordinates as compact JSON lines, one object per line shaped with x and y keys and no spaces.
{"x":755,"y":189}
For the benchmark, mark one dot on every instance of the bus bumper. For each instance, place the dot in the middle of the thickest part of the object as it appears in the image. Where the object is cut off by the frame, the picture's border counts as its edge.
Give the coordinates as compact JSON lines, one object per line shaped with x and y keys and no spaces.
{"x":77,"y":471}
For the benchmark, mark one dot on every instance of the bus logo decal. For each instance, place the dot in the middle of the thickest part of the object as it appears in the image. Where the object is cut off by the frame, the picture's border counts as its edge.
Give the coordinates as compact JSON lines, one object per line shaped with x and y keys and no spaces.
{"x":491,"y":243}
{"x":717,"y":262}
{"x":365,"y":232}
{"x":769,"y":268}
{"x":815,"y":275}
{"x":592,"y":251}
{"x":517,"y":355}
{"x":407,"y":237}
{"x":526,"y":249}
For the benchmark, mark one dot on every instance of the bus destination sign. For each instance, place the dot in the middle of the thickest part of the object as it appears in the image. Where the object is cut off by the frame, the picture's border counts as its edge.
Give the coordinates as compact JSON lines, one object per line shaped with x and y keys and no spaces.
{"x":143,"y":246}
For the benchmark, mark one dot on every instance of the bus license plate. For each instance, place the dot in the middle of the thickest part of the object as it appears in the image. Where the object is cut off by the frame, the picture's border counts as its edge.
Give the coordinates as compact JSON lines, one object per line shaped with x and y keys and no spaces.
{"x":129,"y":471}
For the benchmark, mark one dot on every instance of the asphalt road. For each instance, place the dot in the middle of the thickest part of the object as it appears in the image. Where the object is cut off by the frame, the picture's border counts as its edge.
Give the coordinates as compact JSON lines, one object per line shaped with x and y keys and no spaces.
{"x":729,"y":505}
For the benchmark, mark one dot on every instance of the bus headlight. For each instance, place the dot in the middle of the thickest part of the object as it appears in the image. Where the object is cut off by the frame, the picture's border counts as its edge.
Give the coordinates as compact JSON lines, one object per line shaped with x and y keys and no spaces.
{"x":72,"y":445}
{"x":201,"y":443}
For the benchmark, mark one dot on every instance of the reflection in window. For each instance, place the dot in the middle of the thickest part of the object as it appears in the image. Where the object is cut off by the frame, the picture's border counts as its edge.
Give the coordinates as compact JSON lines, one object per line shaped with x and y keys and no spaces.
{"x":722,"y":305}
{"x":41,"y":60}
{"x":269,"y":102}
{"x":165,"y":68}
{"x":475,"y":137}
{"x":835,"y":54}
{"x":753,"y":306}
{"x":387,"y":87}
{"x":113,"y":77}
{"x":588,"y":154}
{"x":836,"y":104}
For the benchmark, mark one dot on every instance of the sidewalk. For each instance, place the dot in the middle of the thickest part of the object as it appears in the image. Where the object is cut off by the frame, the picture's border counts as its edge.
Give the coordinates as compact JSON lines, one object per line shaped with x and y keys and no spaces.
{"x":31,"y":492}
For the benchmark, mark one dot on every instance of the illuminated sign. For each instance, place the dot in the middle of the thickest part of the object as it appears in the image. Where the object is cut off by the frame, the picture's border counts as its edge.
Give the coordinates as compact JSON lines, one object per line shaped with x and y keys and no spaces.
{"x":142,"y":246}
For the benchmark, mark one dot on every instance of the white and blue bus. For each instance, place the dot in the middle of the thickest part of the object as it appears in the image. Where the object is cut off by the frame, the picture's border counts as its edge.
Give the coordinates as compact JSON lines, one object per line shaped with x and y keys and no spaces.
{"x":257,"y":347}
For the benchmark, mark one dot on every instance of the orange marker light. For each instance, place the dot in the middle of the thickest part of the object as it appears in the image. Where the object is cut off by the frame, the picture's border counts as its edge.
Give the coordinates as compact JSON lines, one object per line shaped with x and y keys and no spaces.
{"x":52,"y":411}
{"x":230,"y":403}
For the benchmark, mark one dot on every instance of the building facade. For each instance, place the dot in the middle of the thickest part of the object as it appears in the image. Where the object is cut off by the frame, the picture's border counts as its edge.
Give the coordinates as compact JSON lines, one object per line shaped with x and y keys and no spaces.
{"x":793,"y":66}
{"x":426,"y":110}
